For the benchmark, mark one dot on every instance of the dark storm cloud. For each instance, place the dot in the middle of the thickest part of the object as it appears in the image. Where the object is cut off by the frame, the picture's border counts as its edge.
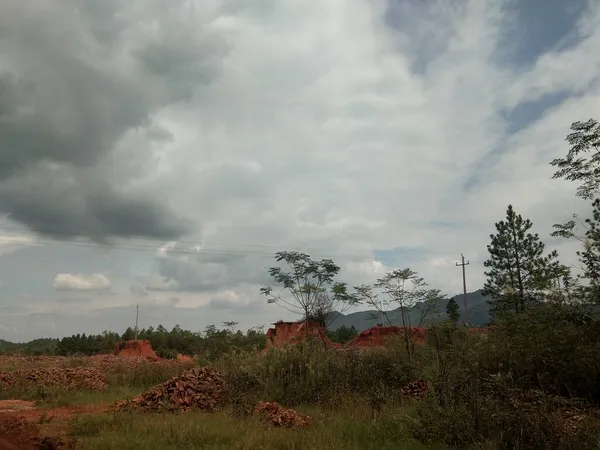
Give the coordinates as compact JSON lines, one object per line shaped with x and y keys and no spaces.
{"x":68,"y":96}
{"x":56,"y":202}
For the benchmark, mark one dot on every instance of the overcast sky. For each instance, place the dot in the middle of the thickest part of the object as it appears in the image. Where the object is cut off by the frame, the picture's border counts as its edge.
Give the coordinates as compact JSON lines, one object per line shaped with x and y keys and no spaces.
{"x":159,"y":152}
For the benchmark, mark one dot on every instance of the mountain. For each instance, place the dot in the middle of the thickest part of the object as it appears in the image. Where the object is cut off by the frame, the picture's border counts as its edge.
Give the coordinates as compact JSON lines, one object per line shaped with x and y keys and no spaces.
{"x":479,"y":314}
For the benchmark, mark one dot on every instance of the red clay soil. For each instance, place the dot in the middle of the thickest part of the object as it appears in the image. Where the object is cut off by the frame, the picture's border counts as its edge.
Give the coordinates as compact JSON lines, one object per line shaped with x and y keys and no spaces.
{"x":136,"y":349}
{"x":16,"y":433}
{"x":7,"y":406}
{"x":285,"y":333}
{"x":20,"y":424}
{"x":377,"y":336}
{"x":182,"y":358}
{"x":64,"y":412}
{"x":27,"y":410}
{"x":293,"y":332}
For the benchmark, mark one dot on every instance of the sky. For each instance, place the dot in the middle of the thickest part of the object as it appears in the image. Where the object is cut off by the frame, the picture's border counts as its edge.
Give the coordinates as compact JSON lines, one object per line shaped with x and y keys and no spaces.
{"x":158,"y":153}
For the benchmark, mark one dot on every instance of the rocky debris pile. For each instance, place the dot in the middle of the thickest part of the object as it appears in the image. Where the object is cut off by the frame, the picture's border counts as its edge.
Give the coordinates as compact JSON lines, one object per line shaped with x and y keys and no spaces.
{"x":16,"y":362}
{"x":277,"y":415}
{"x":416,"y":389}
{"x":103,"y":362}
{"x":201,"y":388}
{"x":71,"y":379}
{"x":110,"y":363}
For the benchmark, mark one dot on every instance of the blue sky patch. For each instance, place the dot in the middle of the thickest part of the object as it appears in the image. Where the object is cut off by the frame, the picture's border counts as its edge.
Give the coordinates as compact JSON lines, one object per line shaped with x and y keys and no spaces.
{"x":542,"y":25}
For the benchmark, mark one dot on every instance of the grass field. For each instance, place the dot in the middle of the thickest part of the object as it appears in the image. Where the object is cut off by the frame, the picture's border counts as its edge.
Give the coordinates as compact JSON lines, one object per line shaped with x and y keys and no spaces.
{"x":342,"y":429}
{"x":85,"y":418}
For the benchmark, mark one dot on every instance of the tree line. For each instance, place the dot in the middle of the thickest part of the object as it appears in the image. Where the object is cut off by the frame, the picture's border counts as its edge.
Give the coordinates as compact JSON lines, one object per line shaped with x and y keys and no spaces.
{"x":210,"y":344}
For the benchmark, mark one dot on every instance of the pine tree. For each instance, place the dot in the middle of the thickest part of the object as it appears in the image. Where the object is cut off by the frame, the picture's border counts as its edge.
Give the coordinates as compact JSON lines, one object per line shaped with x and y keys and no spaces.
{"x":453,"y":311}
{"x":519,"y":275}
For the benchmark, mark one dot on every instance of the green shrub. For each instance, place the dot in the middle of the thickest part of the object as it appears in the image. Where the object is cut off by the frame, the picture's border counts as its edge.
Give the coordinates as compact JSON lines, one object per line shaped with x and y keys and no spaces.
{"x":510,"y":418}
{"x":308,"y":373}
{"x":552,"y":348}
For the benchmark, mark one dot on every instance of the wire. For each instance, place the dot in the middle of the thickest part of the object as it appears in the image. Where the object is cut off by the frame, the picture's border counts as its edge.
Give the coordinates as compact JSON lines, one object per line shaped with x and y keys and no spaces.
{"x":173,"y":250}
{"x":182,"y":241}
{"x":160,"y":243}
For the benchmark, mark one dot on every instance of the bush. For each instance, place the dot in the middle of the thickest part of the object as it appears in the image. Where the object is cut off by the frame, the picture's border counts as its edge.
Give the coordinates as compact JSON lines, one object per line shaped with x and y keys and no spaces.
{"x":552,"y":348}
{"x":308,"y":373}
{"x":509,"y":419}
{"x":517,"y":387}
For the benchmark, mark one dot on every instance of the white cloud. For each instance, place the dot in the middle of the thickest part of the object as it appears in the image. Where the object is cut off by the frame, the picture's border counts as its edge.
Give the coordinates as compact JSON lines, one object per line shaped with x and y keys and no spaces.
{"x":12,"y":242}
{"x":81,"y":282}
{"x":159,"y":283}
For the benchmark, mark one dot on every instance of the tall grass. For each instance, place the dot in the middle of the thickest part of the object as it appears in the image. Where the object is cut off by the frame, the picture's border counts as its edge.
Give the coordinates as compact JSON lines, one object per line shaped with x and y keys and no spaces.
{"x":143,"y":375}
{"x":311,"y":374}
{"x":342,"y":430}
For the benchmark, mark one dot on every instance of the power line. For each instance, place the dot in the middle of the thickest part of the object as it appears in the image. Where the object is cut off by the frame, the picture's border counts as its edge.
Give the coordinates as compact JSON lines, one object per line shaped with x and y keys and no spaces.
{"x":182,"y":241}
{"x":208,"y":251}
{"x":213,"y":252}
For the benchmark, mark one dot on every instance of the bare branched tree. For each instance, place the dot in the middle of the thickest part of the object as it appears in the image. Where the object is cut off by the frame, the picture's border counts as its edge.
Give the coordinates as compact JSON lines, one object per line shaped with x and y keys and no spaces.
{"x":403,"y":290}
{"x":328,"y":307}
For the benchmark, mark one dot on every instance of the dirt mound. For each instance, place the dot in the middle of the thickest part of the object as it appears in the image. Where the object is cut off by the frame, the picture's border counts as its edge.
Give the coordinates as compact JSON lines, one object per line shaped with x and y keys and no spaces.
{"x":277,"y":415}
{"x":196,"y":389}
{"x":416,"y":389}
{"x":377,"y":336}
{"x":71,"y":379}
{"x":111,"y":363}
{"x":14,"y":362}
{"x":18,"y":434}
{"x":136,"y":348}
{"x":286,"y":333}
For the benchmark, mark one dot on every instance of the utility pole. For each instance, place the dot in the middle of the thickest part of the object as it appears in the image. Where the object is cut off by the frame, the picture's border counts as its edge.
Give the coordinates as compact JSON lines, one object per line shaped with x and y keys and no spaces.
{"x":137,"y":312}
{"x":463,"y":264}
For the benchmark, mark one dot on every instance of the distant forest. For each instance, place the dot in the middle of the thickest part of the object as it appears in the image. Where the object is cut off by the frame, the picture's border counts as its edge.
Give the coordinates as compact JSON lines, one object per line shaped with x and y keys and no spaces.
{"x":209,"y":344}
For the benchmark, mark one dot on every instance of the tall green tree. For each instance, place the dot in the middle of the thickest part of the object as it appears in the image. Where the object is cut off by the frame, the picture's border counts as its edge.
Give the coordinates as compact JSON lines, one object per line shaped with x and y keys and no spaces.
{"x":128,"y":335}
{"x":518,"y":275}
{"x":307,"y":282}
{"x":582,"y":163}
{"x":453,"y":311}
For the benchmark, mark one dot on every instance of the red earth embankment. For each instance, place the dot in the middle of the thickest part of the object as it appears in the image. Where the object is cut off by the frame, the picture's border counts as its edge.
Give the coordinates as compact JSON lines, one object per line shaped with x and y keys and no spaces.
{"x":285,"y":333}
{"x":378,"y":336}
{"x":293,"y":332}
{"x":136,"y":348}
